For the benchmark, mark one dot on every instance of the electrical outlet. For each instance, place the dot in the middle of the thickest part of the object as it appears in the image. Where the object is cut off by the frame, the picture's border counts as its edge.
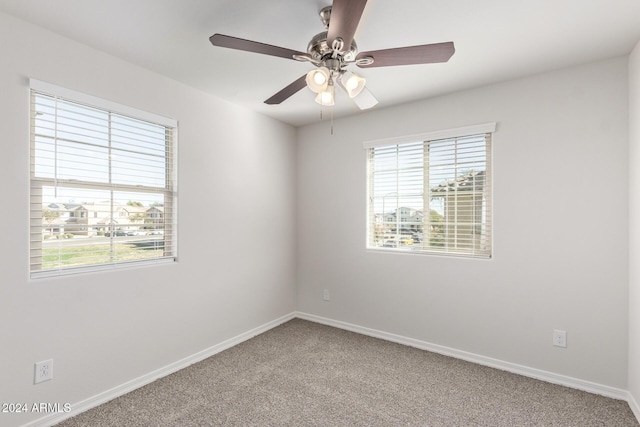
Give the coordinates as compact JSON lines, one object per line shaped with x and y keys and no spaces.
{"x":559,"y":338}
{"x":43,"y":371}
{"x":326,"y":296}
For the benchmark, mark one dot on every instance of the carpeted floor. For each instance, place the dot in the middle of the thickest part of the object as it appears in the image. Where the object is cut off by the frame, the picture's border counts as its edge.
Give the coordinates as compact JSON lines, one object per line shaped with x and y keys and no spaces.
{"x":306,"y":374}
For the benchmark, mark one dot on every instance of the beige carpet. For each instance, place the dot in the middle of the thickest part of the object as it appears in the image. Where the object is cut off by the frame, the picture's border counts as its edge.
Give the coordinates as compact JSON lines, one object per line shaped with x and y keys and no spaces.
{"x":305,"y":374}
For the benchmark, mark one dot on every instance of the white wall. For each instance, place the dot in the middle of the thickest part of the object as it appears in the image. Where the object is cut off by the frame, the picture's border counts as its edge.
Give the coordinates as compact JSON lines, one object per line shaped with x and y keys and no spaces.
{"x":634,"y":229}
{"x":236,"y":268}
{"x":560,"y":228}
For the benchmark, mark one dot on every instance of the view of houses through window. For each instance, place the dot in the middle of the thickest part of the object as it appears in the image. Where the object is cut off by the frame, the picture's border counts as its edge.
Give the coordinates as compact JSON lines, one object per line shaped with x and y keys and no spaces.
{"x":101,"y":216}
{"x":101,"y":227}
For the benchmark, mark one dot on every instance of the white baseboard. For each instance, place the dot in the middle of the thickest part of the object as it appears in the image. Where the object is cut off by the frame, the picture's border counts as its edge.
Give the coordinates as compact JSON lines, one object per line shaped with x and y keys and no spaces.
{"x":633,"y":404}
{"x":550,"y":377}
{"x":129,"y":386}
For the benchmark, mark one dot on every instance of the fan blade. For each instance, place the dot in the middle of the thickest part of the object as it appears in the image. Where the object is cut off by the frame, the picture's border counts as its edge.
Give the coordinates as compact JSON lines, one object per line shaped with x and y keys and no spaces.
{"x":345,"y":16}
{"x":365,"y":99}
{"x":285,"y":93}
{"x":251,"y":46}
{"x":423,"y":54}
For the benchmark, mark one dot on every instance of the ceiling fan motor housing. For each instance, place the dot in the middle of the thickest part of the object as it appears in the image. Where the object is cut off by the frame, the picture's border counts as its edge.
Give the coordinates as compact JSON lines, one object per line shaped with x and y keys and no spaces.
{"x":320,"y":50}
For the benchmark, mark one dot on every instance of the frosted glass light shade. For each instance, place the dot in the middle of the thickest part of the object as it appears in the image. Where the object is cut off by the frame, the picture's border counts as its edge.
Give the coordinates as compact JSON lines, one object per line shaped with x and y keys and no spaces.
{"x":353,"y":84}
{"x":318,"y":79}
{"x":326,"y":98}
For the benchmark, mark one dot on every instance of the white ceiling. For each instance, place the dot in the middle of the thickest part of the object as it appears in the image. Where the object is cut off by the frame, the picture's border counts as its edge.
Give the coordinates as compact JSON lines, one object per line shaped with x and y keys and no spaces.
{"x":495,"y":40}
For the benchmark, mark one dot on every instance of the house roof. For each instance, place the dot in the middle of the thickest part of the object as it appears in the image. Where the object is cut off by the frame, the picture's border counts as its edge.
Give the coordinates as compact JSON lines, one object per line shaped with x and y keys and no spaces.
{"x":472,"y":181}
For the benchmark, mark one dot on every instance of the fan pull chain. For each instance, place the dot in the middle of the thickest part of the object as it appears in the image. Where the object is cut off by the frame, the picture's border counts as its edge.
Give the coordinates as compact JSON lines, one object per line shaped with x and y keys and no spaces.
{"x":332,"y":122}
{"x":331,"y":118}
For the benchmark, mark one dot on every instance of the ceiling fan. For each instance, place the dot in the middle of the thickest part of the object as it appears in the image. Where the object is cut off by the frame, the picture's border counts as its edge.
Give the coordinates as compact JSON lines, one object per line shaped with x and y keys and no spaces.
{"x":332,"y":51}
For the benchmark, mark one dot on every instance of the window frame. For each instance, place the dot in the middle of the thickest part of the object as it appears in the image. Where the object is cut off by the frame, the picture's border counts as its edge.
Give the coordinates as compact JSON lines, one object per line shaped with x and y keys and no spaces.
{"x":427,"y":138}
{"x":36,"y":183}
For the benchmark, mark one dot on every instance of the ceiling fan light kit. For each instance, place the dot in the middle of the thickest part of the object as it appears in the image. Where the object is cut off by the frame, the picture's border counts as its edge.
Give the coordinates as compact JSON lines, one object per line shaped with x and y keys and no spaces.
{"x":332,"y":51}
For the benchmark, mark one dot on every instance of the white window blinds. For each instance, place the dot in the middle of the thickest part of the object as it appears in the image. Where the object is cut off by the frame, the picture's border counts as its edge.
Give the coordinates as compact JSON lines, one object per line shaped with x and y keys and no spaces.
{"x":102,"y":184}
{"x":432,"y":193}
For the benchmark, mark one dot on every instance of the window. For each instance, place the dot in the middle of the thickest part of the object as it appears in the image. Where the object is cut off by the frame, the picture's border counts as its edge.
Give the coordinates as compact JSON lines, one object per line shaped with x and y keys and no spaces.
{"x":431,"y":193}
{"x":98,"y":170}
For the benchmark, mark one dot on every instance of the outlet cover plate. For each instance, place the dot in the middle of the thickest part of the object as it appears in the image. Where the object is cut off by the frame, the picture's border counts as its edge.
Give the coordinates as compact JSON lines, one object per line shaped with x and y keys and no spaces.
{"x":559,"y":338}
{"x":43,"y":371}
